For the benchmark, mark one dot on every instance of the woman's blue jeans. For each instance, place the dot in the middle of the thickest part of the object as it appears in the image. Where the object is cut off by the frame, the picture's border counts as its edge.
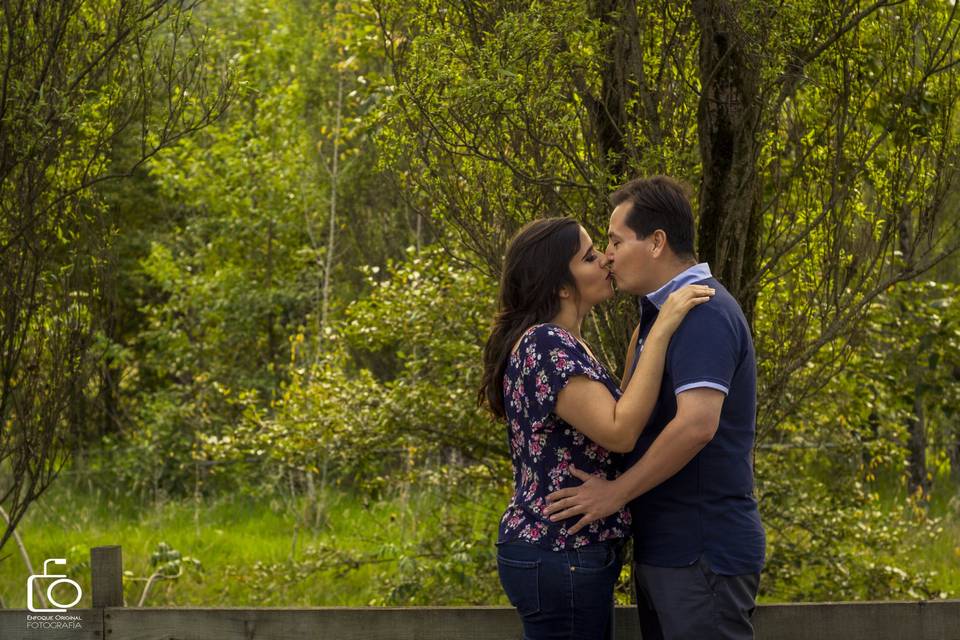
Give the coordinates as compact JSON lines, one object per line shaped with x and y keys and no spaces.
{"x":562,"y":594}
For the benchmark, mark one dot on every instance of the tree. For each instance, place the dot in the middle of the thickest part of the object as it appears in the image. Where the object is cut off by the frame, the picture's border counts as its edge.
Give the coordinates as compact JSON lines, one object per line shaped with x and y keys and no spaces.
{"x":814,"y":189}
{"x":822,"y":140}
{"x":77,"y":78}
{"x":261,"y":221}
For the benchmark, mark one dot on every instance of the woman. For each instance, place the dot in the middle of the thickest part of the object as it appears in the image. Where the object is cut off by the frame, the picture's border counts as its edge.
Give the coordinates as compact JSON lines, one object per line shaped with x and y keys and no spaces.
{"x":562,"y":408}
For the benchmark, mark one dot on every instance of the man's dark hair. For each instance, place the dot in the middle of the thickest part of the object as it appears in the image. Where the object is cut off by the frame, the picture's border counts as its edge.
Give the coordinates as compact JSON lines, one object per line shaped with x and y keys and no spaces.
{"x":659,"y":202}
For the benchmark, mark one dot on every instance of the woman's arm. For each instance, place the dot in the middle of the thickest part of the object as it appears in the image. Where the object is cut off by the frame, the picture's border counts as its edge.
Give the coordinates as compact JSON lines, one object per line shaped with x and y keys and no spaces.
{"x":614,"y":425}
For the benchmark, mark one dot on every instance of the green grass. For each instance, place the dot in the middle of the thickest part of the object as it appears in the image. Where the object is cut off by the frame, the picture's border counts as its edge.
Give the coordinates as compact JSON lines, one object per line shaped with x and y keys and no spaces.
{"x":418,"y":546}
{"x":251,"y":551}
{"x":943,"y":555}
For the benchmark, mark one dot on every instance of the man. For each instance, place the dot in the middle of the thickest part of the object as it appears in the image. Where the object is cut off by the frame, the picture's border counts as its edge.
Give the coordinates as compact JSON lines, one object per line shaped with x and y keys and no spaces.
{"x":698,"y":541}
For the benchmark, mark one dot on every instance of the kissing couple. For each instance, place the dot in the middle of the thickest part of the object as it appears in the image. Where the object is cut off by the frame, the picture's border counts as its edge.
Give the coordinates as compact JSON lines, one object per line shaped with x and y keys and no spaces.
{"x":665,"y":457}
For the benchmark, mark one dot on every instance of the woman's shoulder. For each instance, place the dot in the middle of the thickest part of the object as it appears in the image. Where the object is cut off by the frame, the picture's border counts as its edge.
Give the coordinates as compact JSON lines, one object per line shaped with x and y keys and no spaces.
{"x":547,"y":334}
{"x":543,"y":337}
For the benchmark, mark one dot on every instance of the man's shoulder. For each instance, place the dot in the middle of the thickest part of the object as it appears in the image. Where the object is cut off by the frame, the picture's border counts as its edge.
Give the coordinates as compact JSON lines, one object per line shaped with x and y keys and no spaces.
{"x":719,"y":321}
{"x":723,"y":306}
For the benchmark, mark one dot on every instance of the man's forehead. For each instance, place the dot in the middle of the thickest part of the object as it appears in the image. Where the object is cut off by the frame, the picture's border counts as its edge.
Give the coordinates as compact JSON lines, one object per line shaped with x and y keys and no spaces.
{"x":616,"y":222}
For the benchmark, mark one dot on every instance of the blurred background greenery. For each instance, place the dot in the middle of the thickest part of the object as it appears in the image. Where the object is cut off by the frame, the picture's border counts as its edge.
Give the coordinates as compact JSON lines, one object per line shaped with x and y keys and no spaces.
{"x":250,"y":252}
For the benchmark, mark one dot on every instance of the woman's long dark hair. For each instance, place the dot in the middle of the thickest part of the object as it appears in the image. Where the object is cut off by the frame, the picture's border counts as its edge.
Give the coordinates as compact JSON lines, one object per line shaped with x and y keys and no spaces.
{"x":537,"y":264}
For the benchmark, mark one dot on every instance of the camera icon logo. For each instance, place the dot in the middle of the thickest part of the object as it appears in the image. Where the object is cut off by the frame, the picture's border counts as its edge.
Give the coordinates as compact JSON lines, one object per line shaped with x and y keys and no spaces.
{"x":62,"y":578}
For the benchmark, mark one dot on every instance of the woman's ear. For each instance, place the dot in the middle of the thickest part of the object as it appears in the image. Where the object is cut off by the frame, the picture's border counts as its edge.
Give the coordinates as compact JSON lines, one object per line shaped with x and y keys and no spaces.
{"x":563,"y":293}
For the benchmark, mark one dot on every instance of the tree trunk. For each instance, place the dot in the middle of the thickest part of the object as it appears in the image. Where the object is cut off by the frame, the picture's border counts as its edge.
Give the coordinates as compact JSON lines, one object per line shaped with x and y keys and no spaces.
{"x":110,"y":371}
{"x":953,"y":442}
{"x":334,"y":171}
{"x":917,"y":447}
{"x":272,"y":339}
{"x":728,"y":119}
{"x":608,"y":113}
{"x":953,"y":452}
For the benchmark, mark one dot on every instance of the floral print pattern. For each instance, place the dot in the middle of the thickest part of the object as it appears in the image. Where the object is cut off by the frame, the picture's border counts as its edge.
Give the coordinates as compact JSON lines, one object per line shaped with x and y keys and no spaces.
{"x":543,"y":446}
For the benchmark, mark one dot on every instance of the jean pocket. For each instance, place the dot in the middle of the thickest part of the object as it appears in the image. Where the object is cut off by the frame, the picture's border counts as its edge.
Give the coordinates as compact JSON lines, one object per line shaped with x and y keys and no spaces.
{"x":596,"y":560}
{"x":521,"y":583}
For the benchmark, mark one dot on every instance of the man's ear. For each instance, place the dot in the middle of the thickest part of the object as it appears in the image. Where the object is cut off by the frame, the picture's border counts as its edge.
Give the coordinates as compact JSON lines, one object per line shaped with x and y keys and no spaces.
{"x":658,"y":242}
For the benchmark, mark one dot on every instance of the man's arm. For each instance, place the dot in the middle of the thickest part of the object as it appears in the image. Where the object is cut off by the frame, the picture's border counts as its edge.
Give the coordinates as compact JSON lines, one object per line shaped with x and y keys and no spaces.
{"x":696,"y":422}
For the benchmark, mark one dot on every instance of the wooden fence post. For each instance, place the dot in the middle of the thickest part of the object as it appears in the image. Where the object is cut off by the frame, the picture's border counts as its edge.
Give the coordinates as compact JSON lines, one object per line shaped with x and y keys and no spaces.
{"x":106,"y":576}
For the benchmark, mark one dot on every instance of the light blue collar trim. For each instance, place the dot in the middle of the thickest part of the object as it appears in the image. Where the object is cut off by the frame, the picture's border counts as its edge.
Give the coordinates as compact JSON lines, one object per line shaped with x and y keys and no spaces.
{"x":695,"y":273}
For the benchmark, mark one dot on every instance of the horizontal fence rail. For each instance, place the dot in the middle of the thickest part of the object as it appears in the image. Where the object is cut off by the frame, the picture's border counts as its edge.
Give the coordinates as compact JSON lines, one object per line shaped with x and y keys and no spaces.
{"x":934,"y":620}
{"x":110,"y":620}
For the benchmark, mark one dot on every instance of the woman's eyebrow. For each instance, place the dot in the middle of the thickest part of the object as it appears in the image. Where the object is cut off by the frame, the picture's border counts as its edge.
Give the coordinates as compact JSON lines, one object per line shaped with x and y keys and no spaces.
{"x":587,"y":252}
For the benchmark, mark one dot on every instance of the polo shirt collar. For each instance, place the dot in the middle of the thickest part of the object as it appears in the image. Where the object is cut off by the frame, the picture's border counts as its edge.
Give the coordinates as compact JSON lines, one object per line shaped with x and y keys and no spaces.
{"x":695,"y":273}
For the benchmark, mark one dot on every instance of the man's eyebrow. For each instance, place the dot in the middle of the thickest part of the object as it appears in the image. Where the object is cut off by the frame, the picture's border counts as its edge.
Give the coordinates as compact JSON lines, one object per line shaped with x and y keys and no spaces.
{"x":611,"y":234}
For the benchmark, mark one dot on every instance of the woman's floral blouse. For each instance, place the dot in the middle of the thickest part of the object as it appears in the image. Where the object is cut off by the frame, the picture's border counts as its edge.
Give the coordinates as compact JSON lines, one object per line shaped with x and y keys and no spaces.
{"x":543,"y":446}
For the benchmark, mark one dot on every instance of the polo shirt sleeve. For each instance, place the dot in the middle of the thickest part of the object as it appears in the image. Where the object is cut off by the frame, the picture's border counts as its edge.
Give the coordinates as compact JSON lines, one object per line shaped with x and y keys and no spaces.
{"x":704,"y":352}
{"x":550,"y":359}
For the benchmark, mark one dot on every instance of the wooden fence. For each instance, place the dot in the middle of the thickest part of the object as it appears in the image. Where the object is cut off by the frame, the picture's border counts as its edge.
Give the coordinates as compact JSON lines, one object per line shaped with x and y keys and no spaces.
{"x":110,"y":620}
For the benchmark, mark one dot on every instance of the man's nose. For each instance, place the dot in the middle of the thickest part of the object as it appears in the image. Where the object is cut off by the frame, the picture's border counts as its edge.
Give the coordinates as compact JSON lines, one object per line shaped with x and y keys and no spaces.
{"x":605,"y":261}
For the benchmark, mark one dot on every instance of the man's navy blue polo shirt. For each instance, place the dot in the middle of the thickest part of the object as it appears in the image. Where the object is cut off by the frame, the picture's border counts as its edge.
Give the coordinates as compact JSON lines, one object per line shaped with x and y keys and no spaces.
{"x":708,"y":507}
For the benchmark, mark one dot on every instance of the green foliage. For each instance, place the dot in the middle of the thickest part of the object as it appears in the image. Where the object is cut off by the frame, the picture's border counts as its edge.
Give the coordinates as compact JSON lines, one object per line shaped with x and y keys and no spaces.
{"x":166,"y":563}
{"x":431,"y":314}
{"x":832,"y":536}
{"x":483,"y":98}
{"x":912,"y":361}
{"x":520,"y":110}
{"x":241,"y":264}
{"x":292,"y":301}
{"x":79,"y":79}
{"x":452,"y":563}
{"x":252,"y":553}
{"x":834,"y":539}
{"x":414,"y":416}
